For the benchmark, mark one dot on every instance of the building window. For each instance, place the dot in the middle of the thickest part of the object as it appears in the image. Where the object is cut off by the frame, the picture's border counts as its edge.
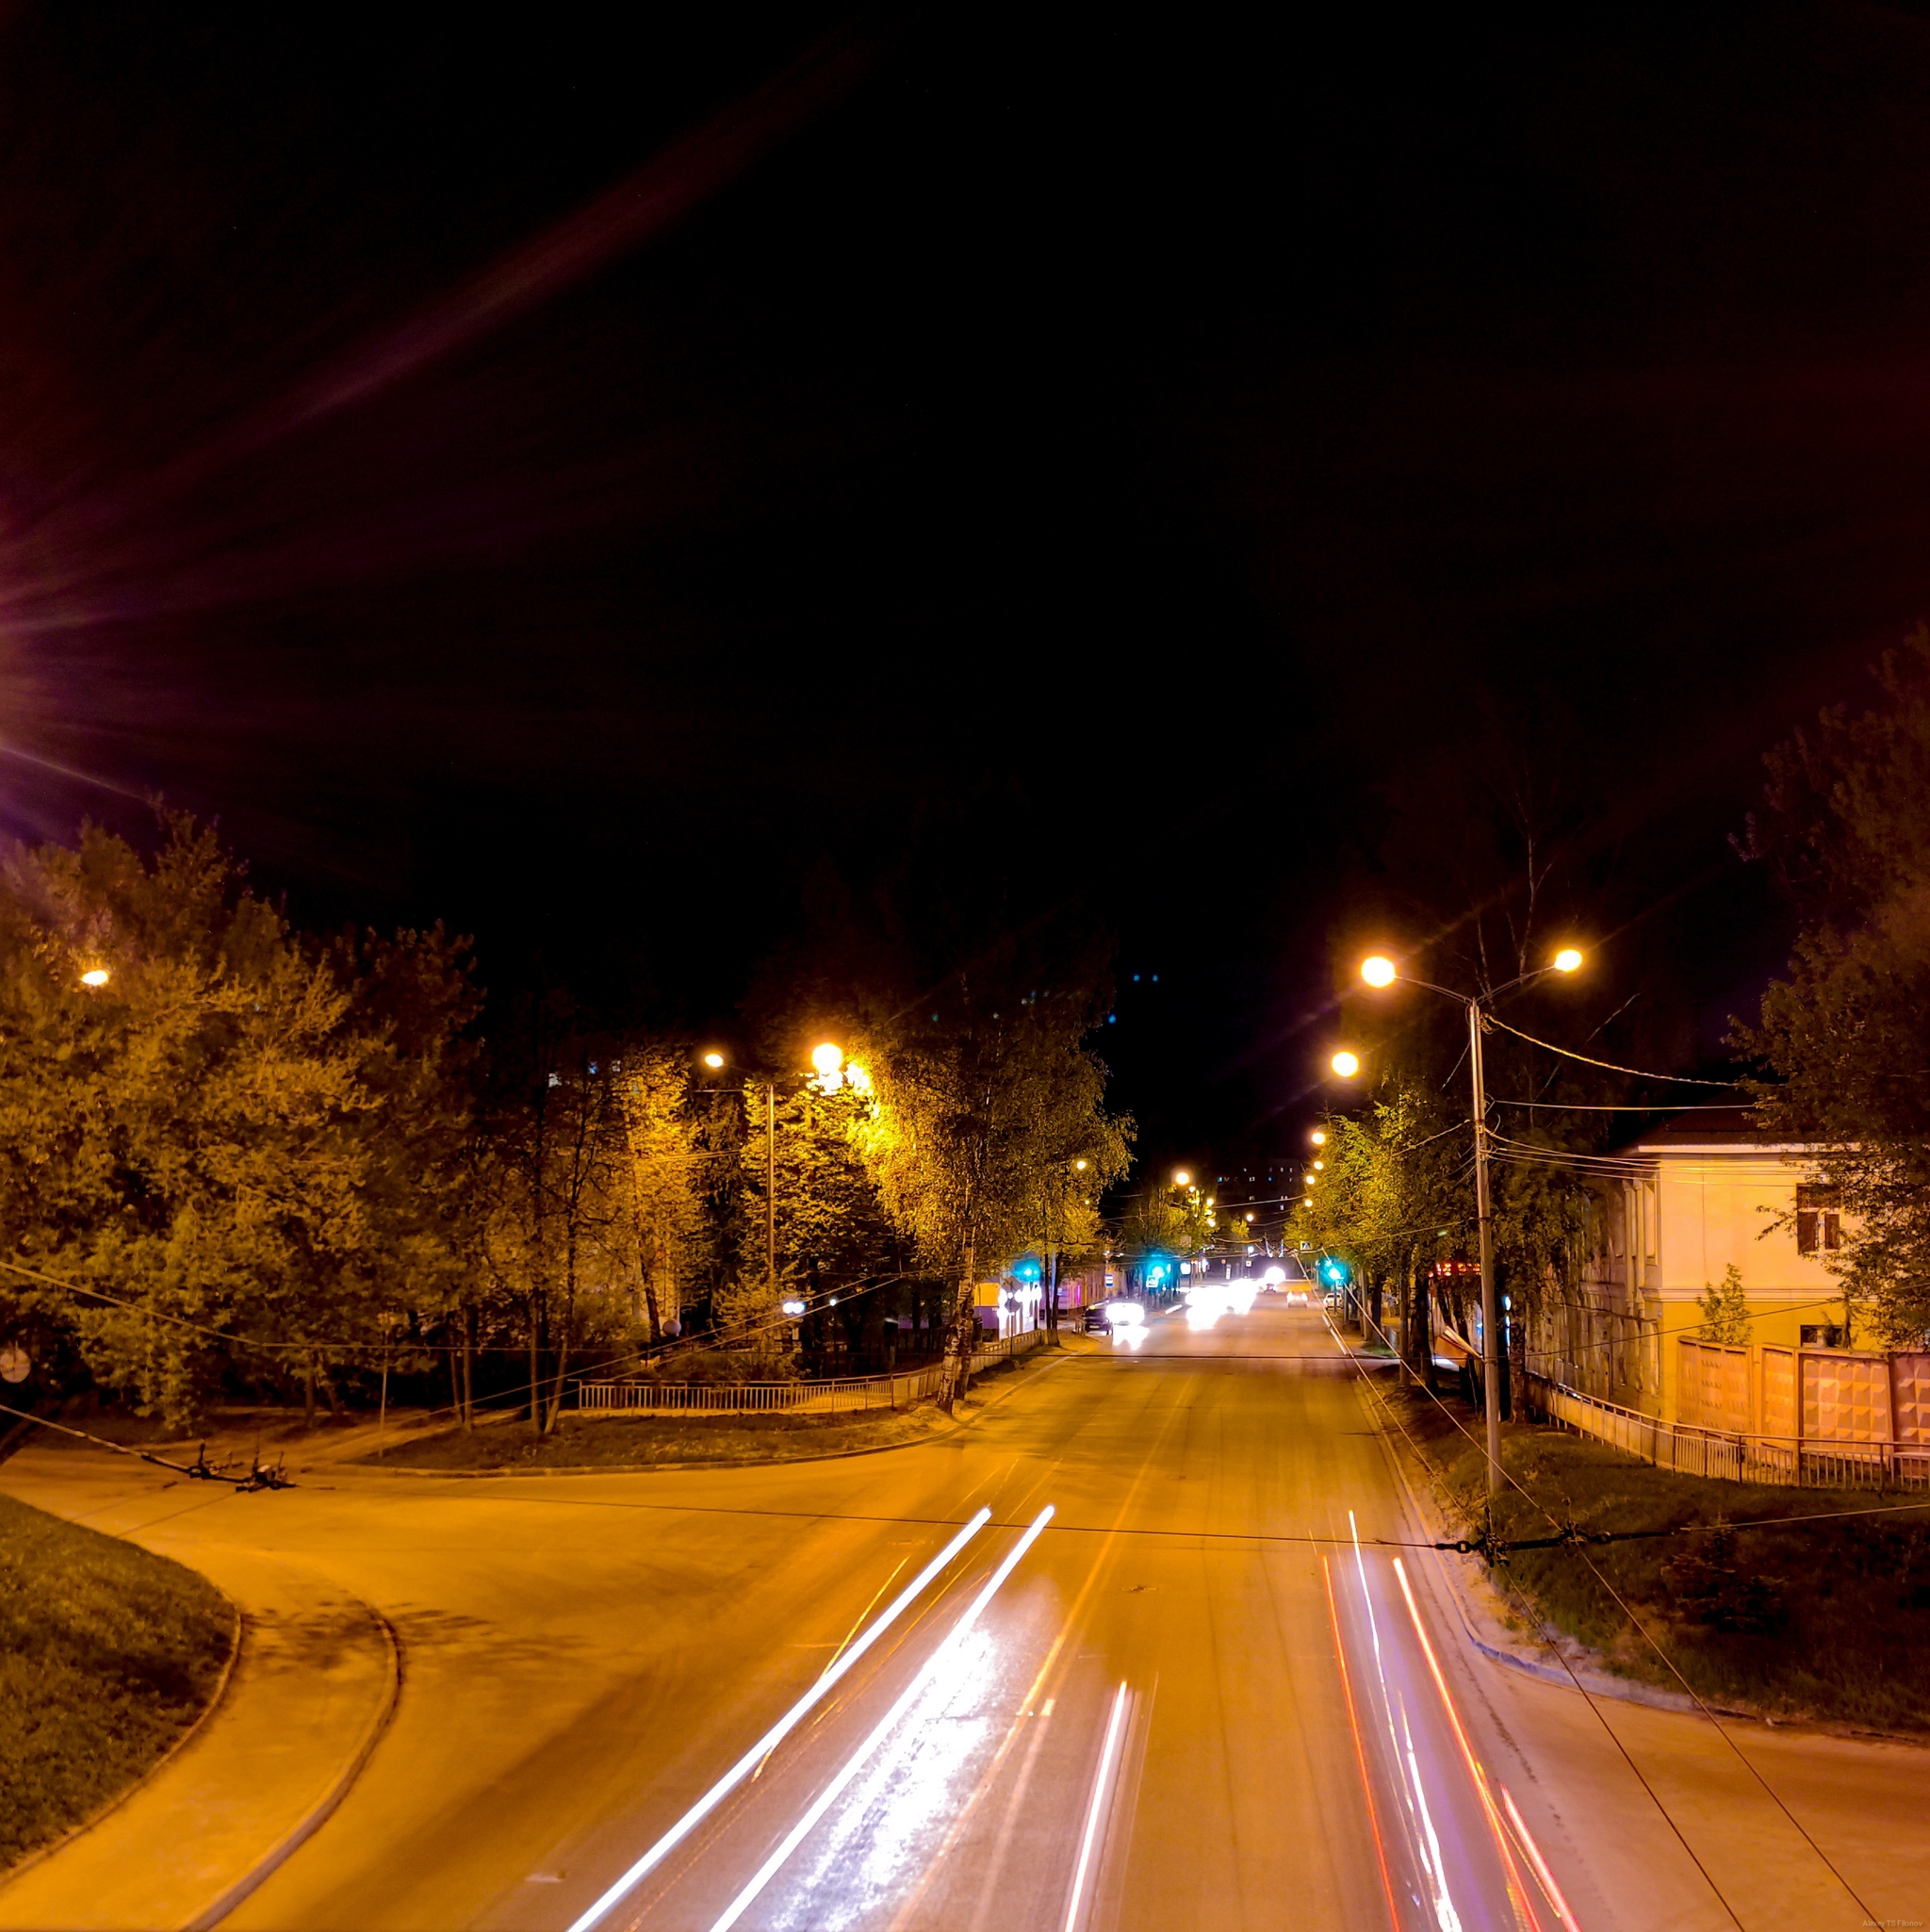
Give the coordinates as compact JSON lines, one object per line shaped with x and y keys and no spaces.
{"x":1821,"y":1334}
{"x":1819,"y":1225}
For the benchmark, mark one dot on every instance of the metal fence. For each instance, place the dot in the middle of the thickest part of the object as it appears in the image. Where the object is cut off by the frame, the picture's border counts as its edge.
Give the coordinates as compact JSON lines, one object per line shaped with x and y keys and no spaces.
{"x":843,"y":1396}
{"x":1733,"y":1457}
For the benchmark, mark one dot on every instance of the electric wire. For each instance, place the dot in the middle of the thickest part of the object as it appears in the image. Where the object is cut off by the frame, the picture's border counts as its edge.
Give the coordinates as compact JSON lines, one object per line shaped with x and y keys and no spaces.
{"x":1667,"y":1661}
{"x":1595,"y":1708}
{"x":1639,"y":1073}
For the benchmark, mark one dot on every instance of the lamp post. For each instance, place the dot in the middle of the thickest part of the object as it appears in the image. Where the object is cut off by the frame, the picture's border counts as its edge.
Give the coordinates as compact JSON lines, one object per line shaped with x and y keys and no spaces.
{"x":1380,"y":971}
{"x":830,"y":1062}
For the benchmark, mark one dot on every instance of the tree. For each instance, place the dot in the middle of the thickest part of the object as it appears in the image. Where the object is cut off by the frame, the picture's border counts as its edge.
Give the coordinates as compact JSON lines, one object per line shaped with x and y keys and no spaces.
{"x":1390,"y":1198}
{"x":978,"y":1113}
{"x":554,"y":1202}
{"x":1726,"y":1310}
{"x":1844,"y":1035}
{"x":234,"y":1138}
{"x":664,"y":1134}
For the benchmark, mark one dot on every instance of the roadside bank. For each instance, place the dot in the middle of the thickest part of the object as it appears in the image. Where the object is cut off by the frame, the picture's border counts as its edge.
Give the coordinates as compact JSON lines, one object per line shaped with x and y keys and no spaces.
{"x":1797,"y":1606}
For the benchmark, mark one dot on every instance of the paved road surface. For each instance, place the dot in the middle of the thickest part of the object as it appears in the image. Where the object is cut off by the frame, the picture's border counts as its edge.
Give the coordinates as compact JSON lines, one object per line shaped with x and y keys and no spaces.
{"x":1193,"y":1701}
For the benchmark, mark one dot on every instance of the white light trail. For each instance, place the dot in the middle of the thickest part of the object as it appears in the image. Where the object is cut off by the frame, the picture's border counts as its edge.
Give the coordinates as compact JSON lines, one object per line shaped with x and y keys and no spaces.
{"x":778,"y":1731}
{"x":855,"y":1763}
{"x":1540,"y":1863}
{"x":1096,"y":1810}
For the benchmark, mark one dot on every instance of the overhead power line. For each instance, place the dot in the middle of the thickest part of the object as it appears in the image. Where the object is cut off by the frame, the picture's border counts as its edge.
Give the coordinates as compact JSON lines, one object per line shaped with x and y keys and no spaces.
{"x":1639,"y":1073}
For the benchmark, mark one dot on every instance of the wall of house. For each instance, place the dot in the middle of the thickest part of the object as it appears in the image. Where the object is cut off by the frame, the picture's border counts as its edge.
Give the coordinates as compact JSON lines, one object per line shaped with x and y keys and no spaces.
{"x":1661,"y":1239}
{"x":1723,"y":1206}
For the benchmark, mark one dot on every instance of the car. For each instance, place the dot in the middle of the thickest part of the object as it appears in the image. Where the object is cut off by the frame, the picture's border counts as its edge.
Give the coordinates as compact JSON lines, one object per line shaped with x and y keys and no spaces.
{"x":1104,"y":1316}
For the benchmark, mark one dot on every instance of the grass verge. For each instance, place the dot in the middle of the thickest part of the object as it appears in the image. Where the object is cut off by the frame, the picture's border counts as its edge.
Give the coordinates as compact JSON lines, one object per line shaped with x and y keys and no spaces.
{"x":617,"y":1441}
{"x":108,"y":1654}
{"x":1822,"y":1621}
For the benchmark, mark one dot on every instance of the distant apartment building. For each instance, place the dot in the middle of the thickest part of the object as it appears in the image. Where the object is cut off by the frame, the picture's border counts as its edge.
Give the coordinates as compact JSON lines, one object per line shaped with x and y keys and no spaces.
{"x":1690,"y":1199}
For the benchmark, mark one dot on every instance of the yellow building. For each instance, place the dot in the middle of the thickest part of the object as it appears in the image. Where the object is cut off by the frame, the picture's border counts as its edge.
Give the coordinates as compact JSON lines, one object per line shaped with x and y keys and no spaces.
{"x":1685,"y":1202}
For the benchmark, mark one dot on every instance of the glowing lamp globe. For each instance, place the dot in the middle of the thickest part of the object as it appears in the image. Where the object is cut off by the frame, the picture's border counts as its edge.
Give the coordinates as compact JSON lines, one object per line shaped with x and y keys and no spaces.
{"x":826,"y":1059}
{"x":1567,"y":960}
{"x":94,"y":975}
{"x":1378,"y":971}
{"x":713,"y":1060}
{"x":1346,"y":1064}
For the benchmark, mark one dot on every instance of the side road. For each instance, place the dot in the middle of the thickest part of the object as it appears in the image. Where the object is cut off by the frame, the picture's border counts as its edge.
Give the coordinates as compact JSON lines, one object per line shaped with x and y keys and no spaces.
{"x":316,"y":1680}
{"x":313,"y":1686}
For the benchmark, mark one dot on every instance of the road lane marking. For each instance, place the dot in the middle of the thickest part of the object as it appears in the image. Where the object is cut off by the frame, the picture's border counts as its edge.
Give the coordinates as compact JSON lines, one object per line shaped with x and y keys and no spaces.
{"x":745,"y":1766}
{"x":1096,"y":1810}
{"x":947,"y":1650}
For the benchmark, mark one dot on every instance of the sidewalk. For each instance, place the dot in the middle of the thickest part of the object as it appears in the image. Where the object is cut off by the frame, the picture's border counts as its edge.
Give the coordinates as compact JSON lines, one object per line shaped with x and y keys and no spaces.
{"x":312,"y":1689}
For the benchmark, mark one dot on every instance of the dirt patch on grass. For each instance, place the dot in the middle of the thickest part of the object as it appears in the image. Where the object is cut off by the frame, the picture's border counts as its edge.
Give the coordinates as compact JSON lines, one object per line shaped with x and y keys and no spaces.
{"x":1825,"y":1620}
{"x":108,"y":1654}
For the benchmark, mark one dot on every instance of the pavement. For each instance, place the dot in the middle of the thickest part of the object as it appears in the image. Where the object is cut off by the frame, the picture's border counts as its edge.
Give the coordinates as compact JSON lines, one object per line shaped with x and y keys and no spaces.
{"x":1190,"y":1699}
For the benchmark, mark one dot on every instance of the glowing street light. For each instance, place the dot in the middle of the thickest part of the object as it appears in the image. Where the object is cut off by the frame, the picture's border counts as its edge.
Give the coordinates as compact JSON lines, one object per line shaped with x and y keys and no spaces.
{"x":1319,"y":1167}
{"x":1346,"y":1064}
{"x":1318,"y":1137}
{"x":1180,"y":1177}
{"x":94,"y":975}
{"x":1378,"y":971}
{"x":713,"y":1061}
{"x":826,"y":1059}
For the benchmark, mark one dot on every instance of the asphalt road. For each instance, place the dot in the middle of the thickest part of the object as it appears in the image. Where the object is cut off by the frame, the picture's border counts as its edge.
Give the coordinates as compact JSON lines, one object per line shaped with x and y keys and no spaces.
{"x":1219,"y":1688}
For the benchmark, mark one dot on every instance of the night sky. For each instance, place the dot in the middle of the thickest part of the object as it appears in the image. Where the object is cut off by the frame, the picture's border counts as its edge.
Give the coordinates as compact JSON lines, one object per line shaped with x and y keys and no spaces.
{"x":580,"y":480}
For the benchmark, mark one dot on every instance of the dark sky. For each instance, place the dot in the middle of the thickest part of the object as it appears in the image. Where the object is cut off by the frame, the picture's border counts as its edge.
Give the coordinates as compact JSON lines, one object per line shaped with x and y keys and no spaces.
{"x":572,"y":477}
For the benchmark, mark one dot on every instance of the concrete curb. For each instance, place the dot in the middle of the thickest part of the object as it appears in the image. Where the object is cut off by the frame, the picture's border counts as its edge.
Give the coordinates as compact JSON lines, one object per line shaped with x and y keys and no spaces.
{"x":326,"y":1807}
{"x":1594,"y":1683}
{"x":882,"y":1449}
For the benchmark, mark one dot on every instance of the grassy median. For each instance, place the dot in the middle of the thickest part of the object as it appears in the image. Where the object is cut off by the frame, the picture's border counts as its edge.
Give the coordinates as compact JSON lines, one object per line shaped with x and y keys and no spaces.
{"x":1823,"y":1620}
{"x":617,"y":1442}
{"x":628,"y":1441}
{"x":108,"y":1654}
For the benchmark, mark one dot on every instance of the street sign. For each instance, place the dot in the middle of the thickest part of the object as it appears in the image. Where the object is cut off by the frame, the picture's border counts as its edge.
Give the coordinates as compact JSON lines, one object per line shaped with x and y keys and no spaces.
{"x":14,"y":1363}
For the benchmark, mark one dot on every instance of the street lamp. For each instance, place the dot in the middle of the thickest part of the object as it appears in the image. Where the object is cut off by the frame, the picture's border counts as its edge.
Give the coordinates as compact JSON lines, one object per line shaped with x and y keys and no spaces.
{"x":1346,"y":1064}
{"x":1180,"y":1177}
{"x":94,"y":975}
{"x":1318,"y":1137}
{"x":829,"y":1061}
{"x":1379,"y":971}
